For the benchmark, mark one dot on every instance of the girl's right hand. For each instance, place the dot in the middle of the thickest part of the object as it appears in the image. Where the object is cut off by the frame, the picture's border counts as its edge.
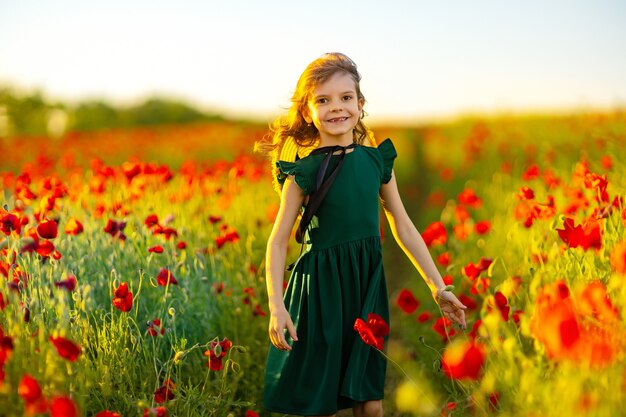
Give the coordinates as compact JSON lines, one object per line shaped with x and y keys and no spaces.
{"x":451,"y":307}
{"x":279,"y":320}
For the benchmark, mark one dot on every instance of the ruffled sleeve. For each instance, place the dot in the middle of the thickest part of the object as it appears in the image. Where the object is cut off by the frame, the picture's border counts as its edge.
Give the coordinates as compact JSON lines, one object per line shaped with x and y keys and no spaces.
{"x":388,"y":154}
{"x":285,"y":168}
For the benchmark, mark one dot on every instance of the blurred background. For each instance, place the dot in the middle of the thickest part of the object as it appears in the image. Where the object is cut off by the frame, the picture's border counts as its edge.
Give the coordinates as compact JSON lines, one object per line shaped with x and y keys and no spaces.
{"x":76,"y":65}
{"x":129,"y":127}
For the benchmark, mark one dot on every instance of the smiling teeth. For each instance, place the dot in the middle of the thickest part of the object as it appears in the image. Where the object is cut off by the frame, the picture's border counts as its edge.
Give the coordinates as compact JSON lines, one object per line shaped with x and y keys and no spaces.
{"x":338,"y":119}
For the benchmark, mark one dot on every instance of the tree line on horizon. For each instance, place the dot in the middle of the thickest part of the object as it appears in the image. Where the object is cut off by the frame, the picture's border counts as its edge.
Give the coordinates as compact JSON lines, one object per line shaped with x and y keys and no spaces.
{"x":32,"y":114}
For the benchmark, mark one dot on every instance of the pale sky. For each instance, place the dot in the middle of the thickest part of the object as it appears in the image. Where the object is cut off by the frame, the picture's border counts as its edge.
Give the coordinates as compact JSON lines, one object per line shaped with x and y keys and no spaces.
{"x":418,"y":59}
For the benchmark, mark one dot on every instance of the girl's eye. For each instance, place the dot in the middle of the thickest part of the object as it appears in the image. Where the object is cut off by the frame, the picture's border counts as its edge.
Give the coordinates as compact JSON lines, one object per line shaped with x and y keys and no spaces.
{"x":322,"y":100}
{"x":347,"y":97}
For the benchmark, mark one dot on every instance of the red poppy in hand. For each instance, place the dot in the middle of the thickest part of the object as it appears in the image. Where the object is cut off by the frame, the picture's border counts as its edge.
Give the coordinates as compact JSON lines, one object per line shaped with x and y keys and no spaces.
{"x":373,"y":331}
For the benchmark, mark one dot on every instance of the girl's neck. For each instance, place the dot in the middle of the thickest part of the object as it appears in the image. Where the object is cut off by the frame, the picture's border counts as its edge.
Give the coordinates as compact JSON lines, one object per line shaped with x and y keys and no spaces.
{"x":334,"y":141}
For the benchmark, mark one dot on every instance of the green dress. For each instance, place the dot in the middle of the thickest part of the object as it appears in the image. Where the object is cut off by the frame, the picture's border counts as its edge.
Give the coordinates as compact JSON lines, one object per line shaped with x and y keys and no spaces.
{"x":337,"y":279}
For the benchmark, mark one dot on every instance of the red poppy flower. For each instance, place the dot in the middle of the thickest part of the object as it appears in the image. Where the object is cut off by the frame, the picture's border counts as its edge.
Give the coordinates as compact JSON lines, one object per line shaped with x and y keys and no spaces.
{"x":473,"y":334}
{"x":9,"y":223}
{"x":423,"y":317}
{"x":618,"y":257}
{"x":373,"y":331}
{"x":447,"y":279}
{"x":164,"y":392}
{"x":6,"y":348}
{"x":494,"y":399}
{"x":115,"y":229}
{"x":599,"y":184}
{"x":443,"y":326}
{"x":483,"y":227}
{"x":68,"y":283}
{"x":435,"y":234}
{"x":48,"y":229}
{"x":446,"y":174}
{"x":215,"y":219}
{"x":502,"y":304}
{"x":461,"y":215}
{"x":181,"y":245}
{"x":216,"y":352}
{"x":550,"y":179}
{"x":123,"y":299}
{"x":218,"y":287}
{"x":166,"y":277}
{"x":232,"y":236}
{"x":480,"y":286}
{"x":593,"y":301}
{"x":156,"y":249}
{"x":472,"y":271}
{"x":516,"y":316}
{"x":258,"y":311}
{"x":168,"y":232}
{"x":444,"y":259}
{"x":155,"y":412}
{"x":3,"y":302}
{"x":131,"y":169}
{"x":462,"y":231}
{"x":251,"y":413}
{"x":66,"y":348}
{"x":73,"y":227}
{"x":526,"y":193}
{"x":63,"y":407}
{"x":29,"y":389}
{"x":531,"y":173}
{"x":44,"y":248}
{"x":155,"y":327}
{"x":151,"y":220}
{"x":463,"y":360}
{"x":586,"y":236}
{"x":468,"y":302}
{"x":107,"y":413}
{"x":407,"y":301}
{"x":469,"y":198}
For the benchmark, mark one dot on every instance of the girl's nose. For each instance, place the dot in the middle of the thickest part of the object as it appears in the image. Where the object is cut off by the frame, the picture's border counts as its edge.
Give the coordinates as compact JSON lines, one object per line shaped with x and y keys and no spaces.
{"x":337,"y":107}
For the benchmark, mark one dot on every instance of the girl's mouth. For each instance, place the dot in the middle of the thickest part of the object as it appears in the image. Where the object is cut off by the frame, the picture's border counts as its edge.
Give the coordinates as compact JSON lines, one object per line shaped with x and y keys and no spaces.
{"x":338,"y":119}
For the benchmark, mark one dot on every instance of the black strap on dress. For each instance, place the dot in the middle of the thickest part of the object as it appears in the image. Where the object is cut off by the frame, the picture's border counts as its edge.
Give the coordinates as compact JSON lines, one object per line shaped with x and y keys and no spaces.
{"x":321,"y":188}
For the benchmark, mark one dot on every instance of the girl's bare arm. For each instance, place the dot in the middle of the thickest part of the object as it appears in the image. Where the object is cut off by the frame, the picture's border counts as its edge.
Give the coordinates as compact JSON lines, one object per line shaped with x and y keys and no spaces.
{"x":412,"y":243}
{"x":276,"y":254}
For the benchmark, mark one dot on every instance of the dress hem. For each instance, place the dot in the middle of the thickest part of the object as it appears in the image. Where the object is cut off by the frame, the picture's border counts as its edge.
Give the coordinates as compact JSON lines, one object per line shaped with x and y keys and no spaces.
{"x":318,"y":413}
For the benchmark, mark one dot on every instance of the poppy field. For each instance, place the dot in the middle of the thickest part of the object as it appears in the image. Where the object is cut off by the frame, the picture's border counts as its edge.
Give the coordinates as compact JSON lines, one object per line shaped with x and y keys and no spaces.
{"x":132,"y":270}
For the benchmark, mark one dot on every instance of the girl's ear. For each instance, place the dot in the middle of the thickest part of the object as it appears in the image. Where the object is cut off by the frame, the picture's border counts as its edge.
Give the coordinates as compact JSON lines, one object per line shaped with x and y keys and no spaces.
{"x":360,"y":103}
{"x":306,"y":116}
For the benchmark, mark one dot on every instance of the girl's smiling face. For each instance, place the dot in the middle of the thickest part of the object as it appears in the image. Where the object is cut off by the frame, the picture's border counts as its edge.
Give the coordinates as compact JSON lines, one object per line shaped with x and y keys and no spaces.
{"x":334,"y":108}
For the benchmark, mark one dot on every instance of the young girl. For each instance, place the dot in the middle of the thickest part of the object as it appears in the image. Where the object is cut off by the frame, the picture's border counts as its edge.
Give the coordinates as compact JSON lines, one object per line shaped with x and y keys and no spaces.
{"x":339,"y":277}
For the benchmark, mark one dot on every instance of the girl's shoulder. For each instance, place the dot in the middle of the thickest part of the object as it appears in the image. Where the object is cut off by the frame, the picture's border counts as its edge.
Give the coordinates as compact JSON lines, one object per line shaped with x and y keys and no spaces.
{"x":384,"y":153}
{"x":384,"y":148}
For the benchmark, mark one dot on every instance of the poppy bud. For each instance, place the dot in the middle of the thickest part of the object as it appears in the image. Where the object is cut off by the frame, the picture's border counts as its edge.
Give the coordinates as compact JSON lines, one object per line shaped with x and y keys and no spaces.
{"x":217,"y":350}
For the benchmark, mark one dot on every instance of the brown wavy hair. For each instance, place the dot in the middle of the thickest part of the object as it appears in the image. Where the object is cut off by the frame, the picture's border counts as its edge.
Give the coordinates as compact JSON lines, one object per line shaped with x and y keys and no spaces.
{"x":293,"y":125}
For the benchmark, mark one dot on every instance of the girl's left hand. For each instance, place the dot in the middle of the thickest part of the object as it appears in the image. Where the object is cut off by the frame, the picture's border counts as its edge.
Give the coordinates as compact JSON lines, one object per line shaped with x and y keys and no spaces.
{"x":451,"y":307}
